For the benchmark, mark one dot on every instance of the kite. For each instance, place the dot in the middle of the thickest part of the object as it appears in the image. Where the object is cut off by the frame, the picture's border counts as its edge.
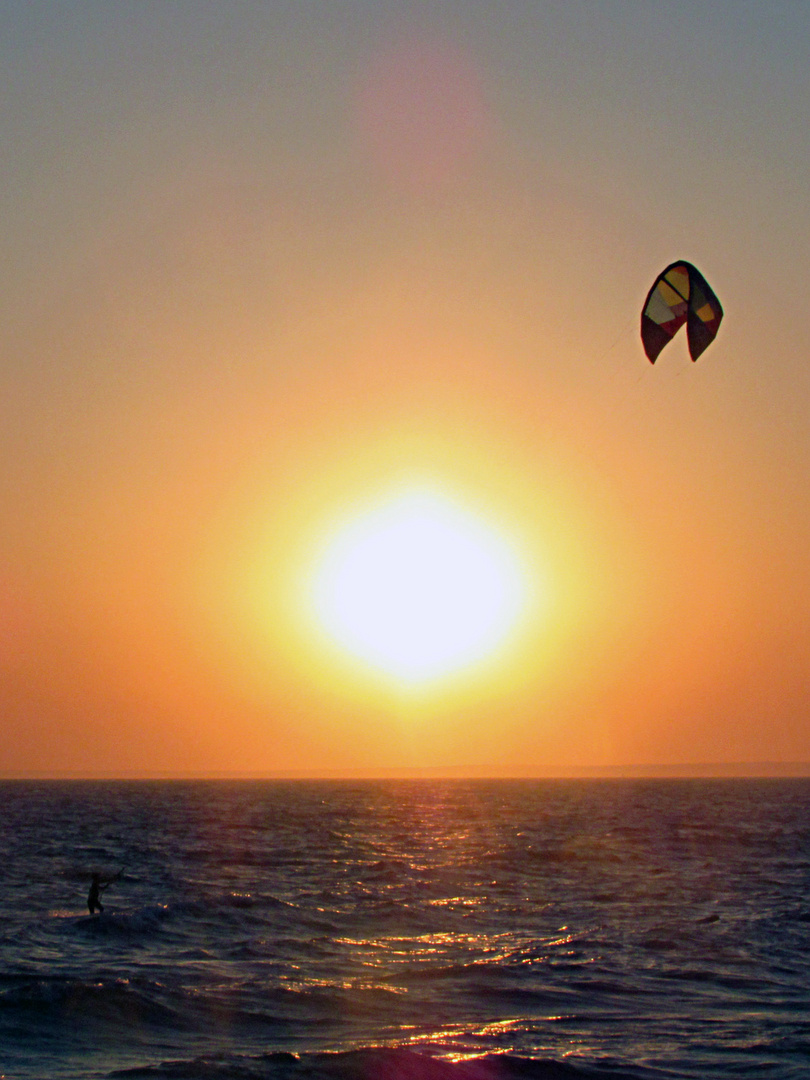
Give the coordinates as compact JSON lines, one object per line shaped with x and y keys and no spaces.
{"x":680,"y":295}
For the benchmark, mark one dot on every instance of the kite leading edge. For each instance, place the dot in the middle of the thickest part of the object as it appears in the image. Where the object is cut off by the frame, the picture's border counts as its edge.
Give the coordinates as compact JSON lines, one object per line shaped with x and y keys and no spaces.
{"x":680,"y":294}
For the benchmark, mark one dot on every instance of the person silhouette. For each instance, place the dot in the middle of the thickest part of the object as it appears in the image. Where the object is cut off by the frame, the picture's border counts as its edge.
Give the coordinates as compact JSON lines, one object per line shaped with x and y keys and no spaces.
{"x":97,"y":886}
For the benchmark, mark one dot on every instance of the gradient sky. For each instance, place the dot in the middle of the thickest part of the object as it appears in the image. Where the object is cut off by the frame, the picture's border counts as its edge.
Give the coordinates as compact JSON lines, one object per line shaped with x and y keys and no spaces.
{"x":266,"y":264}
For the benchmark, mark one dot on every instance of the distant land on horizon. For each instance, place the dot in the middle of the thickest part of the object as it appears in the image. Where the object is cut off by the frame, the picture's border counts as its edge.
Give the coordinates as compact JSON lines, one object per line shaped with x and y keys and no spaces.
{"x":707,"y":771}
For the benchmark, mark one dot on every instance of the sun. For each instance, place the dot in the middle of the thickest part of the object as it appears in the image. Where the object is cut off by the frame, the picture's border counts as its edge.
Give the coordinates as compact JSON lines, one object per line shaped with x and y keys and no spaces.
{"x":418,"y":588}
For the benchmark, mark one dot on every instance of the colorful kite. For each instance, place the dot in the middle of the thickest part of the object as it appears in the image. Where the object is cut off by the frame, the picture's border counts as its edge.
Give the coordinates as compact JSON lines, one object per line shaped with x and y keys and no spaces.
{"x":680,"y":295}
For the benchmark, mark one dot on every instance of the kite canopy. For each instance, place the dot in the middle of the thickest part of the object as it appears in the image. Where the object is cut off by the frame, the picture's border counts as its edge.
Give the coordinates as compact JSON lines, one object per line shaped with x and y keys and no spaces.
{"x":680,"y":295}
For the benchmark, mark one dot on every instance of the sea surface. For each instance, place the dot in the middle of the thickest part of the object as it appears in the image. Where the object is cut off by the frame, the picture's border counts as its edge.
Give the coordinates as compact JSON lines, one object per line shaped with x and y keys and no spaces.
{"x":406,"y":930}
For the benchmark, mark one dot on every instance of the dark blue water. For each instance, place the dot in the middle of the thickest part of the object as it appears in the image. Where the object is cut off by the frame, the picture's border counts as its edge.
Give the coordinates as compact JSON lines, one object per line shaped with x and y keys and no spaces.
{"x":430,"y":930}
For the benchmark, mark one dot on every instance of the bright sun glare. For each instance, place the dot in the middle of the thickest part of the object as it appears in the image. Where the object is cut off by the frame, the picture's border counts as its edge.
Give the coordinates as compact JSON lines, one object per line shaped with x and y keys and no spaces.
{"x":418,"y":588}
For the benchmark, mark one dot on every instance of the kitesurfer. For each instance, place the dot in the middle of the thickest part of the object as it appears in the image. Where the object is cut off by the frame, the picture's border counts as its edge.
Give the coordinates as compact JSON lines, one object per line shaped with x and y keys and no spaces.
{"x":97,"y":886}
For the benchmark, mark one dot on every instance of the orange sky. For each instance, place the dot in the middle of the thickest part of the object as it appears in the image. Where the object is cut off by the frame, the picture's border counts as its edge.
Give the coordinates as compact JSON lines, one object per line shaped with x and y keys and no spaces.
{"x":266,"y":267}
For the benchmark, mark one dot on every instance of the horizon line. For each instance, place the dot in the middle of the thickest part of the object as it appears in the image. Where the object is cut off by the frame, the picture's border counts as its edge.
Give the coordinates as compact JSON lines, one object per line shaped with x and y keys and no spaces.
{"x":703,"y":770}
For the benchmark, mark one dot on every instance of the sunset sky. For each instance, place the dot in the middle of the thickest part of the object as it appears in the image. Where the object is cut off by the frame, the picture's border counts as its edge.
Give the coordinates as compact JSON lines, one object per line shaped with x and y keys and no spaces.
{"x":271,"y":270}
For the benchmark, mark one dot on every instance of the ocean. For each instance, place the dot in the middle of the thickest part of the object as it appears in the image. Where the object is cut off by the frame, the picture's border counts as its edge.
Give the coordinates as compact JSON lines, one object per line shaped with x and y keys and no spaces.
{"x":406,"y":930}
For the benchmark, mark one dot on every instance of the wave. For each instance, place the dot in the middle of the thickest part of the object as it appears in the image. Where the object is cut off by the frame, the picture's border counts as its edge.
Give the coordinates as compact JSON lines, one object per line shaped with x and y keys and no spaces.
{"x":112,"y":1008}
{"x":384,"y":1063}
{"x":60,"y":999}
{"x":224,"y":913}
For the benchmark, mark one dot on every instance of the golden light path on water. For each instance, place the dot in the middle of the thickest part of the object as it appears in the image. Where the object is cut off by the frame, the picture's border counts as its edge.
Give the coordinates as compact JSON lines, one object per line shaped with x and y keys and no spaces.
{"x":418,"y":587}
